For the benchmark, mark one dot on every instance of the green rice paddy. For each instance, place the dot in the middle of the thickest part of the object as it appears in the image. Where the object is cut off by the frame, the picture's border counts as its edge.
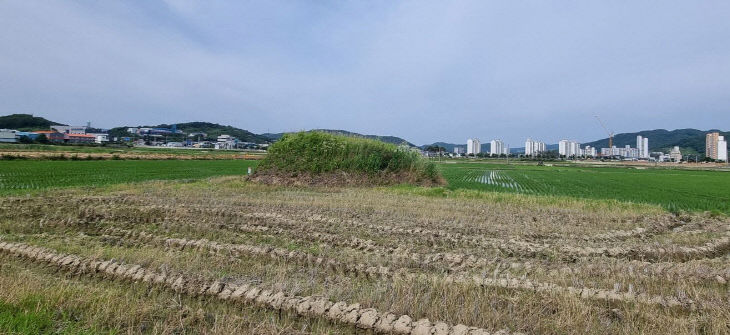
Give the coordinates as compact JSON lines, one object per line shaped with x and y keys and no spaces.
{"x":674,"y":189}
{"x":29,"y":175}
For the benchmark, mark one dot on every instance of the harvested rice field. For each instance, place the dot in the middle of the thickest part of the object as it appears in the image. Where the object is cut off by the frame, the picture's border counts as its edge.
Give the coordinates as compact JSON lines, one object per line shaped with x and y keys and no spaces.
{"x":224,"y":255}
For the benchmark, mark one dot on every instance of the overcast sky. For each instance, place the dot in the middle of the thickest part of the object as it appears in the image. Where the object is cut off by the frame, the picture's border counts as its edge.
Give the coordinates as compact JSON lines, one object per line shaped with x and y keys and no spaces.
{"x":423,"y":70}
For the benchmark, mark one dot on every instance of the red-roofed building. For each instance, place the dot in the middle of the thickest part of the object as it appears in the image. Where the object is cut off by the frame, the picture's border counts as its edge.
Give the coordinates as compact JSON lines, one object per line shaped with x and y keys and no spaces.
{"x":79,"y":138}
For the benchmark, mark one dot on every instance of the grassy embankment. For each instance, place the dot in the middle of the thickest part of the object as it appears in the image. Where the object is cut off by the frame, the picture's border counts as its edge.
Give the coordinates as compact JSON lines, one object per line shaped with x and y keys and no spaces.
{"x":322,"y":158}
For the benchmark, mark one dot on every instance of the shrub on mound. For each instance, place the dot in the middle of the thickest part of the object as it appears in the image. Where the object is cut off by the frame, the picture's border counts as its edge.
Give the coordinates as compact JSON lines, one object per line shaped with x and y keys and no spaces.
{"x":322,"y":158}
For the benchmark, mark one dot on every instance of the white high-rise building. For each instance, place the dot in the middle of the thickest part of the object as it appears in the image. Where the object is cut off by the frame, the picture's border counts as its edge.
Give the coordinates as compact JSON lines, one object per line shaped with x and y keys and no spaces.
{"x":473,"y":146}
{"x":721,"y":148}
{"x":569,"y":148}
{"x":711,"y":143}
{"x":563,"y":147}
{"x":533,"y":148}
{"x":675,"y":154}
{"x":589,"y":151}
{"x":497,"y":147}
{"x":642,"y":143}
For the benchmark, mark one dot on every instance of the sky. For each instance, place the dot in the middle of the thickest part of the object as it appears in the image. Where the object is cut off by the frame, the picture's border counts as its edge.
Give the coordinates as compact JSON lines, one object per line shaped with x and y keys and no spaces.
{"x":423,"y":70}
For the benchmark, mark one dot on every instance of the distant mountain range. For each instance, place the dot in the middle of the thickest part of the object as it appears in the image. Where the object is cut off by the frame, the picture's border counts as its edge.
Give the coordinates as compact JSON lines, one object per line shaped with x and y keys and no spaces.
{"x":213,"y":130}
{"x":690,"y":141}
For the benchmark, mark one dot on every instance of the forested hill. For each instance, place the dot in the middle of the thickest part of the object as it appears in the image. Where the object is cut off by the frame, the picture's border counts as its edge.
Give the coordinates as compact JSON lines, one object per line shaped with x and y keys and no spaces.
{"x":26,"y":122}
{"x":214,"y":130}
{"x":689,"y":140}
{"x":388,"y":139}
{"x":449,"y":147}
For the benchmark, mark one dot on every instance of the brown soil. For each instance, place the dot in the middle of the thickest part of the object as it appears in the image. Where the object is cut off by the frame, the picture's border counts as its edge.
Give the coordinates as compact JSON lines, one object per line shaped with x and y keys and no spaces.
{"x":341,"y":178}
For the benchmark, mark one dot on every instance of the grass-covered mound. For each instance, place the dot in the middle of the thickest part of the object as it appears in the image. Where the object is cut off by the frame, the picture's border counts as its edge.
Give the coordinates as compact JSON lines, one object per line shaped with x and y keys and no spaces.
{"x":326,"y":159}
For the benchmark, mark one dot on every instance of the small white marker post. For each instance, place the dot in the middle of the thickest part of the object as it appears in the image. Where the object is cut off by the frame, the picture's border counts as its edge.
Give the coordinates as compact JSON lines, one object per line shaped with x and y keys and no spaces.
{"x":249,"y":170}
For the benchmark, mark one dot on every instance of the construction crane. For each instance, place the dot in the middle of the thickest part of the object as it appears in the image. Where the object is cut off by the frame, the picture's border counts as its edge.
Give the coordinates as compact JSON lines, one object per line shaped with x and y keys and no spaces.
{"x":610,"y":133}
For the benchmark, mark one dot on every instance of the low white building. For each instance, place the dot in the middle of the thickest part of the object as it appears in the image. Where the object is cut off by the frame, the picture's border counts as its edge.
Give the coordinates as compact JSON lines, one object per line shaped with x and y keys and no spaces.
{"x":76,"y":130}
{"x":100,"y":138}
{"x":625,"y":152}
{"x":8,"y":136}
{"x":226,"y":142}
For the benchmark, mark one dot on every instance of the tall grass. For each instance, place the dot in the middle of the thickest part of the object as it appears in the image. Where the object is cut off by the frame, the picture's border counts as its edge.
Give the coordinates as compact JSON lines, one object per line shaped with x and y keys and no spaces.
{"x":34,"y":314}
{"x":318,"y":152}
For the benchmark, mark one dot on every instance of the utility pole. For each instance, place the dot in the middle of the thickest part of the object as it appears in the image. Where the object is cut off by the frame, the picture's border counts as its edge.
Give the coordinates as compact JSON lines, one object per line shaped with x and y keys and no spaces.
{"x":508,"y":155}
{"x":610,"y":134}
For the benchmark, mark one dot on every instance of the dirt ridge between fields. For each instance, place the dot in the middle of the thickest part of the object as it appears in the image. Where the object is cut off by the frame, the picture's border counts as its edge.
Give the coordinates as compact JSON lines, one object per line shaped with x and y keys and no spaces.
{"x":312,"y":306}
{"x":374,"y":272}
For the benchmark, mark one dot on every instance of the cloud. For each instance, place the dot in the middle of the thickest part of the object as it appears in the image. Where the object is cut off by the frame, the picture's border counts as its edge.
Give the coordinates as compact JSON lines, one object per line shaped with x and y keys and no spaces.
{"x":424,"y":70}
